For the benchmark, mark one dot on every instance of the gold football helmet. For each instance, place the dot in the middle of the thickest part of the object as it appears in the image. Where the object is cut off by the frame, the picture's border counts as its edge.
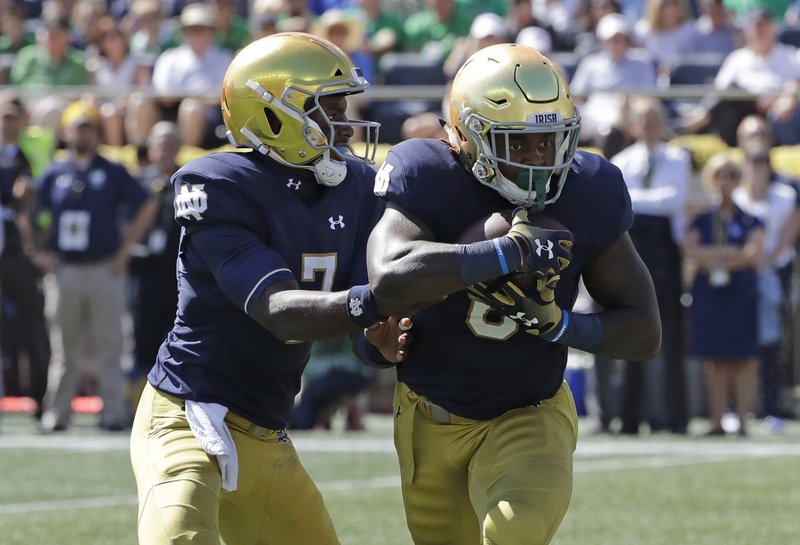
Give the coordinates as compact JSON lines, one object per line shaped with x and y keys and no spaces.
{"x":272,"y":86}
{"x":505,"y":90}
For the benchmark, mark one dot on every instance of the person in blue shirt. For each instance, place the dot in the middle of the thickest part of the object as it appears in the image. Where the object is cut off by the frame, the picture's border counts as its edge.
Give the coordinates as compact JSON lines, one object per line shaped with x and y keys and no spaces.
{"x":485,"y":425}
{"x":92,"y":212}
{"x":271,"y":256}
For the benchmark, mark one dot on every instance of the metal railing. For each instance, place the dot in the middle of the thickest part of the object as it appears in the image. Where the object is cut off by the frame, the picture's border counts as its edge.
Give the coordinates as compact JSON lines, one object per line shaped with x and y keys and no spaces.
{"x":376,"y":92}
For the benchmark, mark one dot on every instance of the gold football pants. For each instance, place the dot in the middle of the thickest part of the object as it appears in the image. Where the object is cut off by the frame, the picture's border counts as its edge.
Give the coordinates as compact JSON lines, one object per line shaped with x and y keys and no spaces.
{"x":505,"y":481}
{"x":179,"y":485}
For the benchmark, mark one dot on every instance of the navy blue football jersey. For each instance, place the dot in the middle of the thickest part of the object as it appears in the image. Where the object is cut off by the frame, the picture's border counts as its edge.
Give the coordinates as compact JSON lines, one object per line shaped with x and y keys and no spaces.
{"x":243,"y":228}
{"x":473,"y":362}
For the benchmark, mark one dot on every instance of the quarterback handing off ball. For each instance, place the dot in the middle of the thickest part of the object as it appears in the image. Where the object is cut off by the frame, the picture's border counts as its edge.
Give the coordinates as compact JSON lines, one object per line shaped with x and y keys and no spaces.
{"x":497,"y":224}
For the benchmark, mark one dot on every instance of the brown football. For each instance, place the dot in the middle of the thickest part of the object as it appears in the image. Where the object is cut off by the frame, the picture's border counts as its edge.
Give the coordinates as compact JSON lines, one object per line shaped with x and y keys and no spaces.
{"x":497,"y":224}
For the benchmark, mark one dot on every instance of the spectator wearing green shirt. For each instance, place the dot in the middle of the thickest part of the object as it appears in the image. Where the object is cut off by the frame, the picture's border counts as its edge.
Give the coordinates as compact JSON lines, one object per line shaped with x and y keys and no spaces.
{"x":232,"y":31}
{"x":434,"y":29}
{"x":777,"y":8}
{"x":13,"y":37}
{"x":48,"y":63}
{"x":151,"y":34}
{"x":383,"y":27}
{"x":51,"y":61}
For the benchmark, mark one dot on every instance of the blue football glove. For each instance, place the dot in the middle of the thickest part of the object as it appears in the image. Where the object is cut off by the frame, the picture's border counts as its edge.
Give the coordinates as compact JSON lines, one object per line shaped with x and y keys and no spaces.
{"x":537,"y":314}
{"x":545,"y":252}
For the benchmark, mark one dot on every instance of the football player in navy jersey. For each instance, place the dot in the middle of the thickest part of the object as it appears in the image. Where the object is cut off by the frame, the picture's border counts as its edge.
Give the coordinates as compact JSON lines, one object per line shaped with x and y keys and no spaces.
{"x":272,"y":255}
{"x":485,"y":425}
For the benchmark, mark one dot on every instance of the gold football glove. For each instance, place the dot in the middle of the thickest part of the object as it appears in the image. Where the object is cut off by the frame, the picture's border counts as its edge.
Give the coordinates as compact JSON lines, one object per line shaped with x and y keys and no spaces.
{"x":538,"y":314}
{"x":545,"y":252}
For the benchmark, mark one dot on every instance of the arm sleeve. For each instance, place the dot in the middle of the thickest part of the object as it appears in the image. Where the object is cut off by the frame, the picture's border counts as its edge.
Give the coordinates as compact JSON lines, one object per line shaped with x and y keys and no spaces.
{"x":241,"y":264}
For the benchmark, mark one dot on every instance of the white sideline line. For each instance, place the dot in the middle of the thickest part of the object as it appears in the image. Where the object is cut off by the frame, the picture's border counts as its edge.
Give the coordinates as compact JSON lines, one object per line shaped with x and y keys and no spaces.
{"x":586,"y":448}
{"x":582,"y":465}
{"x":54,"y":505}
{"x":348,"y":485}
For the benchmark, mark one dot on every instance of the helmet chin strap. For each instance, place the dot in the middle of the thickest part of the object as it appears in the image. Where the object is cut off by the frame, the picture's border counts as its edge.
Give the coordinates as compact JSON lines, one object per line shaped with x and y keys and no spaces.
{"x":327,"y":171}
{"x":540,"y":180}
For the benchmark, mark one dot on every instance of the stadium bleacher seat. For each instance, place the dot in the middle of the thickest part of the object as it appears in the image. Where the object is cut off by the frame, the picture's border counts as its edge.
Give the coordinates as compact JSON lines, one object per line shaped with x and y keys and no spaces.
{"x":695,"y":69}
{"x":391,"y":114}
{"x":411,"y":69}
{"x":790,"y":35}
{"x":403,"y":69}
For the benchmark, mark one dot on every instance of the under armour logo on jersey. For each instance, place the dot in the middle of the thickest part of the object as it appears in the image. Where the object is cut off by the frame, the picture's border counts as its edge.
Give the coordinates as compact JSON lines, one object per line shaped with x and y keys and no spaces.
{"x":191,"y":201}
{"x":337,"y":223}
{"x":291,"y":184}
{"x":282,"y":436}
{"x":356,"y":306}
{"x":544,"y":248}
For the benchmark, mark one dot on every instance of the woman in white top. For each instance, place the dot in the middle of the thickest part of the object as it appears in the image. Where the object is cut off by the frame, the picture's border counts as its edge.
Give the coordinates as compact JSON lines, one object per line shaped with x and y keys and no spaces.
{"x":114,"y":70}
{"x":666,"y":31}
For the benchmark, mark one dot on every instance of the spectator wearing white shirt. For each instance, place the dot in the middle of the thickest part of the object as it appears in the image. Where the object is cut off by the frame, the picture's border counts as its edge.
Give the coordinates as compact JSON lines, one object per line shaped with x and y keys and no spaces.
{"x":764,"y":194}
{"x":599,"y":76}
{"x":765,"y":68}
{"x":190,"y":78}
{"x":486,"y":29}
{"x":658,"y":175}
{"x":111,"y":67}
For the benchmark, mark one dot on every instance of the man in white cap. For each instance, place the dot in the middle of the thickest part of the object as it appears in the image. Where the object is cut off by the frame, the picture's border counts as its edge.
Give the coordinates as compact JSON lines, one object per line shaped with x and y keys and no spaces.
{"x":600,"y":75}
{"x":487,"y":29}
{"x":189,"y":77}
{"x":537,"y":38}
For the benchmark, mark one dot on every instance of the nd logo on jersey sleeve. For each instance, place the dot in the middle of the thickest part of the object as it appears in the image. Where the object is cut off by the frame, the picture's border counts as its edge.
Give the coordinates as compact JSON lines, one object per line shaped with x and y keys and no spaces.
{"x":191,"y":202}
{"x":382,"y":178}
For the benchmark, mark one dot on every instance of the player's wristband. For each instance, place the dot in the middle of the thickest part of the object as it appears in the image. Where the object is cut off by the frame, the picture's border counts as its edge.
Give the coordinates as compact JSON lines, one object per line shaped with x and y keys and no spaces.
{"x":487,"y":259}
{"x":368,"y":354}
{"x":362,"y":307}
{"x":581,"y":331}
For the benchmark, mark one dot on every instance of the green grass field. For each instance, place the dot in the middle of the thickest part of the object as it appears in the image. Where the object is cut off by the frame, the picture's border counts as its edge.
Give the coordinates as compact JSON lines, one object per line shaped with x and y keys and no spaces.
{"x":77,"y":489}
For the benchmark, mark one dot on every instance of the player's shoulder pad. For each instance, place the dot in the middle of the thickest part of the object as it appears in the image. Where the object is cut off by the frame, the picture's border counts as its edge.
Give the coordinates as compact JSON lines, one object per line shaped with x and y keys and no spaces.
{"x":418,"y":167}
{"x":597,"y":184}
{"x":209,"y":189}
{"x":361,"y":173}
{"x":596,"y":169}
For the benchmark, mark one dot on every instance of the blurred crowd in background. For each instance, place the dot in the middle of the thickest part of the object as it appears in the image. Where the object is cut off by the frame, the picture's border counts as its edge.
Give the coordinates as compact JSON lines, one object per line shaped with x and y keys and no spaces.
{"x":665,"y":88}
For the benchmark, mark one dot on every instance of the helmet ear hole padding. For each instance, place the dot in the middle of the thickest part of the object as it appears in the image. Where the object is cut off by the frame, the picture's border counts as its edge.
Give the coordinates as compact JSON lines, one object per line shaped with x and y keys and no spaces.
{"x":274,"y":123}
